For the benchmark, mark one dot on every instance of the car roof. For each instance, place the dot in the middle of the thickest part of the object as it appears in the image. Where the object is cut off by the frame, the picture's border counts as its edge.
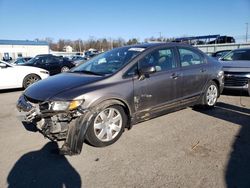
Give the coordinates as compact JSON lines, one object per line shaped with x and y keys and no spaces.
{"x":241,"y":49}
{"x":44,"y":55}
{"x":151,"y":45}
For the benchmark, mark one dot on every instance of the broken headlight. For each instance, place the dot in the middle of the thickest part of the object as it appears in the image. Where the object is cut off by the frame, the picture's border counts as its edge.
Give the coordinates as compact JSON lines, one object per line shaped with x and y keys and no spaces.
{"x":65,"y":105}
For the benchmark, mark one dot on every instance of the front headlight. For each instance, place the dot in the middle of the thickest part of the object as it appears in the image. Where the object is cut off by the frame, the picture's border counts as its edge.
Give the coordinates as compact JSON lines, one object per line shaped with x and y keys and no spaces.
{"x":65,"y":105}
{"x":221,"y":74}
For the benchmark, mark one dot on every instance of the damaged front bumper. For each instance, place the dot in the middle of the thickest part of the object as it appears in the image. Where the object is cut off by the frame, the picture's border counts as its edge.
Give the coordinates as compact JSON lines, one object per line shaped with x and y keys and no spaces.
{"x":55,"y":125}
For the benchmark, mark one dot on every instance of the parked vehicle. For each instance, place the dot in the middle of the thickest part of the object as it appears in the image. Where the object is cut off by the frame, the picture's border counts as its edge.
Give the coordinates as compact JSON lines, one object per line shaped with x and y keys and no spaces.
{"x":12,"y":76}
{"x":22,"y":60}
{"x":97,"y":100}
{"x":222,"y":39}
{"x":219,"y":54}
{"x":77,"y":59}
{"x":90,"y":54}
{"x":236,"y":65}
{"x":54,"y":64}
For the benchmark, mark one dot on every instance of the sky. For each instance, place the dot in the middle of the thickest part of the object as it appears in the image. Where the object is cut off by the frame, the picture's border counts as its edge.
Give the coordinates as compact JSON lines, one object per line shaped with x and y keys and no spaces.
{"x":81,"y":19}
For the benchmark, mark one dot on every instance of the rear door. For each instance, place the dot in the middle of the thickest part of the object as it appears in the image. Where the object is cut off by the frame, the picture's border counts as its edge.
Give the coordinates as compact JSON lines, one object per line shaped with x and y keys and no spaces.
{"x":194,"y":68}
{"x":160,"y":89}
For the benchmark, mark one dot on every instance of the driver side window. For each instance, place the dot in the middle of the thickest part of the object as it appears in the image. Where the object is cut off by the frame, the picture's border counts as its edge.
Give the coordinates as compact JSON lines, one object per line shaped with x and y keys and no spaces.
{"x":41,"y":61}
{"x":161,"y":59}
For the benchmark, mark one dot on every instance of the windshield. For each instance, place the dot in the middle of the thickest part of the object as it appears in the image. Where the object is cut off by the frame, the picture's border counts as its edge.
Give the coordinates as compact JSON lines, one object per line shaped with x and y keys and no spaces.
{"x":33,"y":60}
{"x":109,"y":62}
{"x":237,"y":55}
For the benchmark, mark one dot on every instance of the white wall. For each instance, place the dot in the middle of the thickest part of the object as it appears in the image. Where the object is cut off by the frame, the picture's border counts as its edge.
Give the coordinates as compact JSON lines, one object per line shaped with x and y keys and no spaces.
{"x":26,"y":50}
{"x":211,"y":48}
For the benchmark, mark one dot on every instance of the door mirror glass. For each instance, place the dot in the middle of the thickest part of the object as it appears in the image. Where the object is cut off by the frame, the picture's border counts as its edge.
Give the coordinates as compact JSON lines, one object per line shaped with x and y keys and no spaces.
{"x":147,"y":70}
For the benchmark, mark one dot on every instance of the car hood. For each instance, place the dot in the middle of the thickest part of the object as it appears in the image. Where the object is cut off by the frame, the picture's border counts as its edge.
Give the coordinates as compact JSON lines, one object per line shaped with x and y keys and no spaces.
{"x":46,"y":89}
{"x":236,"y":66}
{"x":28,"y":68}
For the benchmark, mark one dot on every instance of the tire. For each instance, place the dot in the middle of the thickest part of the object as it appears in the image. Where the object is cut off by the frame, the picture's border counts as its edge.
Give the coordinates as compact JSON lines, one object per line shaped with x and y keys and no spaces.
{"x":30,"y":79}
{"x":211,"y":95}
{"x":103,"y":130}
{"x":64,"y":69}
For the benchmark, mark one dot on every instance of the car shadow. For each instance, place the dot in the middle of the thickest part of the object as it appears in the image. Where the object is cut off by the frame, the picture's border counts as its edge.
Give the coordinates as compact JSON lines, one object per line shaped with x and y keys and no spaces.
{"x":10,"y":90}
{"x":43,"y":168}
{"x":235,"y":92}
{"x":238,"y":169}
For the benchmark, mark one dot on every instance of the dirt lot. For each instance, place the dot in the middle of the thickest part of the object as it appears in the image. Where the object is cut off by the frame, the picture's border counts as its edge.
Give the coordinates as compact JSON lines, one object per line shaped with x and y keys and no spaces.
{"x":188,"y":148}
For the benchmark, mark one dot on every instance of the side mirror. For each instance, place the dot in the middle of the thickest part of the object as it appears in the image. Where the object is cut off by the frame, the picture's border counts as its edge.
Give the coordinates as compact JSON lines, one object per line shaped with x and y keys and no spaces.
{"x":147,"y":70}
{"x":3,"y":65}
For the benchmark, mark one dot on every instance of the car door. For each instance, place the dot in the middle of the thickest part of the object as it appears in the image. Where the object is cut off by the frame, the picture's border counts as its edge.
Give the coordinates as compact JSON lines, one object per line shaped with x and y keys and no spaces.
{"x":53,"y":65}
{"x":8,"y":76}
{"x":160,"y":90}
{"x":194,"y":68}
{"x":40,"y":62}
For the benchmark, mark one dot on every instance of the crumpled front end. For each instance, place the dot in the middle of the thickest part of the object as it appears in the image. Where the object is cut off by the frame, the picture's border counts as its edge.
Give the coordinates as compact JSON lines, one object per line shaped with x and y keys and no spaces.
{"x":53,"y":124}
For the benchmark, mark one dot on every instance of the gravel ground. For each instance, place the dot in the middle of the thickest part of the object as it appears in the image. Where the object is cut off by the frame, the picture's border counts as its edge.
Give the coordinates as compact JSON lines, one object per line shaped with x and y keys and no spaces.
{"x":188,"y":148}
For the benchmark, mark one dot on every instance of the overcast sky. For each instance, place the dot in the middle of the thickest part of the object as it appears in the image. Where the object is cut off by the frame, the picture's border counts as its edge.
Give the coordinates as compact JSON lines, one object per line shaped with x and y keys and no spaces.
{"x":30,"y":19}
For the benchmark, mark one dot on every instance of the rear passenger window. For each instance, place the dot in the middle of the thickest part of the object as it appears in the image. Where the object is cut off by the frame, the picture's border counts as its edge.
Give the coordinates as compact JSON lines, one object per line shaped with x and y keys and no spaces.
{"x":190,"y":57}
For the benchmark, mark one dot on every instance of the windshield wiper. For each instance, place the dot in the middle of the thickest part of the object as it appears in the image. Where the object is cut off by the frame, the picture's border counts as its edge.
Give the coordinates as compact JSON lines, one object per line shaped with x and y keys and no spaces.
{"x":88,"y":72}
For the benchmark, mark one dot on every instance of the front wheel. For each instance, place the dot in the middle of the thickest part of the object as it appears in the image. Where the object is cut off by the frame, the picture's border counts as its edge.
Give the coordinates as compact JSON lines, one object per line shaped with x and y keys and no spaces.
{"x":211,"y":94}
{"x":107,"y":126}
{"x":30,"y":79}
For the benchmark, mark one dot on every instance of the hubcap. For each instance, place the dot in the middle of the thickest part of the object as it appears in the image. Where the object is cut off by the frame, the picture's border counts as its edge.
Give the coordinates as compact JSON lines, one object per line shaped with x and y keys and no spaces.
{"x":212,"y":95}
{"x":107,"y":124}
{"x":31,"y":80}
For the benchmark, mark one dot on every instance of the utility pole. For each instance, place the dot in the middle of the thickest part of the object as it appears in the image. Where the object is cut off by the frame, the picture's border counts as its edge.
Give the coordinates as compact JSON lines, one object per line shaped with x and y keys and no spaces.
{"x":80,"y":45}
{"x":246,"y":31}
{"x":111,"y":43}
{"x":160,"y":36}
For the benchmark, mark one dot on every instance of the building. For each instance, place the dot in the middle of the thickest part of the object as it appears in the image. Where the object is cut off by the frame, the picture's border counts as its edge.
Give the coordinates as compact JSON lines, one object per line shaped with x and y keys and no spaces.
{"x":12,"y":49}
{"x":68,"y":49}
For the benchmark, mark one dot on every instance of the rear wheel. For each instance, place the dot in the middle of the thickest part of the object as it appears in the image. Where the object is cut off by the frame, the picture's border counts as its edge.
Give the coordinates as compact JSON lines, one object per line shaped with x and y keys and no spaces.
{"x":107,"y":126}
{"x":64,"y":69}
{"x":30,"y":79}
{"x":211,"y":94}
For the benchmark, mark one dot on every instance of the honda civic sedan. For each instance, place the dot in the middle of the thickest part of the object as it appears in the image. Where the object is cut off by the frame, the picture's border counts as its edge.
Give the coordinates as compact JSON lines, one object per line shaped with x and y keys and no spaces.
{"x":97,"y":100}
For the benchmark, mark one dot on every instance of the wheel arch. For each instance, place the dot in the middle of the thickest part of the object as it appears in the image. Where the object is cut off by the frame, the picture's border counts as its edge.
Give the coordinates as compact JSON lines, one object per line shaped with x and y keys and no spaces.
{"x":218,"y":85}
{"x":115,"y":101}
{"x":29,"y":75}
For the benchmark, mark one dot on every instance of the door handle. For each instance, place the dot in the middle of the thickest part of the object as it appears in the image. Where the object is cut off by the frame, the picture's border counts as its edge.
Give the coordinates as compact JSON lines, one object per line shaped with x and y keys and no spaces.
{"x":174,"y":76}
{"x":203,"y":70}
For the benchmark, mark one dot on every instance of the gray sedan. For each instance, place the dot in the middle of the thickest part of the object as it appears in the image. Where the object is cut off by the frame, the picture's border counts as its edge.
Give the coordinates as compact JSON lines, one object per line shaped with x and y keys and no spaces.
{"x":97,"y":100}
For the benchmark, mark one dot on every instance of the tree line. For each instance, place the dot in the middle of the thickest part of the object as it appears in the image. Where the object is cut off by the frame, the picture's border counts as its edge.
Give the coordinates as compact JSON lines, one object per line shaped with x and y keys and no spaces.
{"x":102,"y":44}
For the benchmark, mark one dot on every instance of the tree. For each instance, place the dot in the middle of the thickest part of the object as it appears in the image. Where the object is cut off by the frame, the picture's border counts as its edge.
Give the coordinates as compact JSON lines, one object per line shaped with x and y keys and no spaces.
{"x":132,"y":41}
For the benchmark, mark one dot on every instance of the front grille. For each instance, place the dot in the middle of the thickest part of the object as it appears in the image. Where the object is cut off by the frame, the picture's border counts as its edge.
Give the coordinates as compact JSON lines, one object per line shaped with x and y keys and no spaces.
{"x":238,"y":73}
{"x":233,"y":80}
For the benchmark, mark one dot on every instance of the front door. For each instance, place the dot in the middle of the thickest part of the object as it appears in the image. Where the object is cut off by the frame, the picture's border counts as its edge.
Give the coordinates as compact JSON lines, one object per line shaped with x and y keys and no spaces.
{"x":53,"y":65}
{"x":159,"y":90}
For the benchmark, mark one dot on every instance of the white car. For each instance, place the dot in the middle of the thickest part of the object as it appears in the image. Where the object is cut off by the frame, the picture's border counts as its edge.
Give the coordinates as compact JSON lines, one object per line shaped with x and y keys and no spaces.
{"x":12,"y":76}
